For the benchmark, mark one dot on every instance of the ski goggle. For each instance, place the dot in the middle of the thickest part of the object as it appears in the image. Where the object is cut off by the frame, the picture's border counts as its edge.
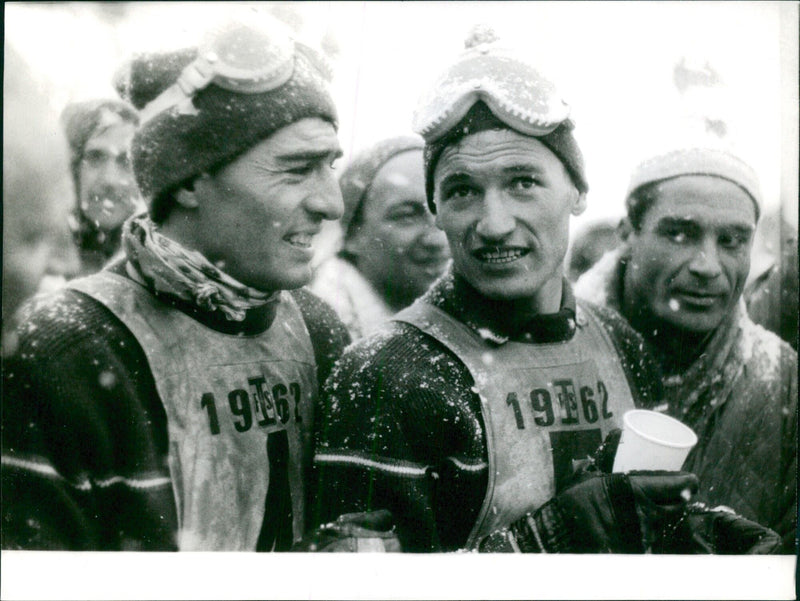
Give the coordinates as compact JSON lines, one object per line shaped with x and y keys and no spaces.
{"x":515,"y":92}
{"x":249,"y":55}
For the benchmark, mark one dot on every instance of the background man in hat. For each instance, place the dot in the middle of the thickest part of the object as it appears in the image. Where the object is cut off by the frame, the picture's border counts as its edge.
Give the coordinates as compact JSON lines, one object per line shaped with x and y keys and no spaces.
{"x":691,"y":216}
{"x":99,"y":133}
{"x":467,"y":412}
{"x":166,"y":402}
{"x":392,"y":251}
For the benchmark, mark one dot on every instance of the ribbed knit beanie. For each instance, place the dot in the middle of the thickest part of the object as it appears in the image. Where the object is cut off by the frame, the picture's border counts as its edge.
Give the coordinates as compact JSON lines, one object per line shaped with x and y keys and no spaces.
{"x":357,"y":177}
{"x":488,"y":87}
{"x":695,"y":161}
{"x":216,"y":124}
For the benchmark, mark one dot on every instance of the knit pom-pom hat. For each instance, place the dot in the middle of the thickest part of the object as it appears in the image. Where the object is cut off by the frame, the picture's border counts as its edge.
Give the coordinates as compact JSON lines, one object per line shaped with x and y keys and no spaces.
{"x":694,"y":161}
{"x":215,"y":124}
{"x":491,"y":78}
{"x":357,"y":177}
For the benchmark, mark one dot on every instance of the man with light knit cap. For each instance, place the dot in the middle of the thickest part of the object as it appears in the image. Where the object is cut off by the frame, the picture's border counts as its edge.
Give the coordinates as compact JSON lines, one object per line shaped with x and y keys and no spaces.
{"x":165,"y":403}
{"x":691,"y":216}
{"x":465,"y":416}
{"x":391,"y":251}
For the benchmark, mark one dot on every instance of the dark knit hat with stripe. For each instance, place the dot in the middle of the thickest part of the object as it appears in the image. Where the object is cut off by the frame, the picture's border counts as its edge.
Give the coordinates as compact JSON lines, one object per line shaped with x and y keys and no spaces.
{"x":215,"y":125}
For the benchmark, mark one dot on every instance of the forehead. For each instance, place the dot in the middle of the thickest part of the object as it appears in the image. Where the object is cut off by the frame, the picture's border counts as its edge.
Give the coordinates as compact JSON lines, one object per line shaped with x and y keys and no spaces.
{"x":706,"y":199}
{"x":310,"y":136}
{"x":490,"y":151}
{"x":404,"y":170}
{"x":116,"y":137}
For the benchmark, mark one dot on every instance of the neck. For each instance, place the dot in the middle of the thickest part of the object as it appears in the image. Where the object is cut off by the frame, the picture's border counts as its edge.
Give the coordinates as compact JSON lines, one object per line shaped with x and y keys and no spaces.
{"x":675,"y":348}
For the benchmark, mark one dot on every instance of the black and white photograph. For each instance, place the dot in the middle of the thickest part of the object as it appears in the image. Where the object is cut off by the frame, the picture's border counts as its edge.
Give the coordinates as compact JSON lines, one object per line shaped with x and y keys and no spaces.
{"x":427,"y":300}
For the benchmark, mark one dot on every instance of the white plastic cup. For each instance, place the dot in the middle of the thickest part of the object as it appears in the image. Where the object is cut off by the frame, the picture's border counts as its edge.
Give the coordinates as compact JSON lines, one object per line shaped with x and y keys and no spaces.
{"x":652,"y":441}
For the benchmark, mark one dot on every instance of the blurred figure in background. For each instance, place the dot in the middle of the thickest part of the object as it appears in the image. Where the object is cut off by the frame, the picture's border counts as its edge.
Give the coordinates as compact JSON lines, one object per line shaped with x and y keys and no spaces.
{"x":772,"y":297}
{"x":678,"y":280}
{"x":34,"y":186}
{"x":392,"y":251}
{"x":590,"y":244}
{"x":99,"y":133}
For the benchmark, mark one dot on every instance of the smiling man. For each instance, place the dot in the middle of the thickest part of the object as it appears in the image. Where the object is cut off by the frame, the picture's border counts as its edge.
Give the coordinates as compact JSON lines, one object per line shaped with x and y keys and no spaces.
{"x":469,"y":411}
{"x":99,"y":133}
{"x":392,"y":251}
{"x":166,"y":401}
{"x":678,"y":280}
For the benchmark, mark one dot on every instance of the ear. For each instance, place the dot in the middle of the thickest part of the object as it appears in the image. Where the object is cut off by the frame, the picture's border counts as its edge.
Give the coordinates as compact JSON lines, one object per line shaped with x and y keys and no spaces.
{"x":579,"y":206}
{"x":188,"y":196}
{"x":624,"y":229}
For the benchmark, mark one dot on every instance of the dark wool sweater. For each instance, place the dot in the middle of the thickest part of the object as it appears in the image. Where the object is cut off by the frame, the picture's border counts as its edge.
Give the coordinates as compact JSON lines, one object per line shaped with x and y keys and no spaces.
{"x":405,"y":400}
{"x":82,"y":423}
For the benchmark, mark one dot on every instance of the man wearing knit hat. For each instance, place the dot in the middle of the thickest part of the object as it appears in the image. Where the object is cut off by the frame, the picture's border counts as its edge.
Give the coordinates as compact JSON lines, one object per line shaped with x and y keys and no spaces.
{"x":691,"y":216}
{"x":392,"y":251}
{"x":468,"y":412}
{"x":166,"y":401}
{"x":99,"y":133}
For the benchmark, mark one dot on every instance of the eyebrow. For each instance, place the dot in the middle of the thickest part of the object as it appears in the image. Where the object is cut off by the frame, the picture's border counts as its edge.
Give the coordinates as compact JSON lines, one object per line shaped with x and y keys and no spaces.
{"x":310,"y":155}
{"x":463,"y":175}
{"x":742,"y":228}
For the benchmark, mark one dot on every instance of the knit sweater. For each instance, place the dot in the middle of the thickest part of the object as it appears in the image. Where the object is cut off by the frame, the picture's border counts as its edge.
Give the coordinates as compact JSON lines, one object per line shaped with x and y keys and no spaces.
{"x":84,"y":432}
{"x":405,"y":408}
{"x":739,"y":395}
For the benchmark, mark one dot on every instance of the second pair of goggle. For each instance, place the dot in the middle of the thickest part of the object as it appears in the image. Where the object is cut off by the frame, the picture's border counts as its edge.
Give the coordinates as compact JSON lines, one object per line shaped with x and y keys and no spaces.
{"x":516,"y":93}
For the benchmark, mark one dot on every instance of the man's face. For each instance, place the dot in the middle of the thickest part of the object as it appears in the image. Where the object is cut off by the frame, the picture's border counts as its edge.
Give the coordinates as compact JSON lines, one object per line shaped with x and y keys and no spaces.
{"x":258,"y":215}
{"x":396,"y":244}
{"x":504,"y":201}
{"x":108,"y":193}
{"x":691,"y":257}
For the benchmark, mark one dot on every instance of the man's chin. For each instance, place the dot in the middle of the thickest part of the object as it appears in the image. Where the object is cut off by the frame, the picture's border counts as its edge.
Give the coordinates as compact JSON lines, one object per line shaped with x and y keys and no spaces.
{"x":693,"y":322}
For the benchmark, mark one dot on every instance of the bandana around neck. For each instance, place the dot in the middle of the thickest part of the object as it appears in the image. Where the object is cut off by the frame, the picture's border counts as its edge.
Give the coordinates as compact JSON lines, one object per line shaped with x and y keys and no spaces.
{"x":166,"y":267}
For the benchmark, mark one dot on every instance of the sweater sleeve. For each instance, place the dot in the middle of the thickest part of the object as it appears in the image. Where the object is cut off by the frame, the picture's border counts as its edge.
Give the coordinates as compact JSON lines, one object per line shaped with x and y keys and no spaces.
{"x":400,"y":430}
{"x":83,"y":434}
{"x":328,"y":334}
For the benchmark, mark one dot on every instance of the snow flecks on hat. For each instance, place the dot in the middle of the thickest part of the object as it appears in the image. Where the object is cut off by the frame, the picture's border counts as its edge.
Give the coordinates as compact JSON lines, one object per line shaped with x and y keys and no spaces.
{"x":695,"y":161}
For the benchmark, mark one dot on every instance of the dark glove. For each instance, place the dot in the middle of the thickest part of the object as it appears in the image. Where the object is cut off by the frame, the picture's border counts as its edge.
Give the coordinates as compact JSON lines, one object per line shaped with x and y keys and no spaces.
{"x":354,"y":532}
{"x":720,"y":530}
{"x":603,"y":513}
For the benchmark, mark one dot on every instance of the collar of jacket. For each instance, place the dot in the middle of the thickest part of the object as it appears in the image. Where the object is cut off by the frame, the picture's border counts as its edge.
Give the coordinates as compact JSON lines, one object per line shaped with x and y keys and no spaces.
{"x":498,"y":321}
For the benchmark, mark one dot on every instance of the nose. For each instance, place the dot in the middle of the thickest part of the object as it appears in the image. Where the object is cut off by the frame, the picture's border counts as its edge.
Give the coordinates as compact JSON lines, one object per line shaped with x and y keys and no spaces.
{"x":705,"y":262}
{"x":326,"y":199}
{"x":496,"y":223}
{"x":116,"y":172}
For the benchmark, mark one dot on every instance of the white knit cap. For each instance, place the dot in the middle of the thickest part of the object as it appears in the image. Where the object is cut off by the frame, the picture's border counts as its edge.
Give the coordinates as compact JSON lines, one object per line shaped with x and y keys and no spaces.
{"x":697,"y":161}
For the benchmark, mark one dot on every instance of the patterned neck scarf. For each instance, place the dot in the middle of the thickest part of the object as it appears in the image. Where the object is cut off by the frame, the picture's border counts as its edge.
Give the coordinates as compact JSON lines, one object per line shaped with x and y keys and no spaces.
{"x":166,"y":267}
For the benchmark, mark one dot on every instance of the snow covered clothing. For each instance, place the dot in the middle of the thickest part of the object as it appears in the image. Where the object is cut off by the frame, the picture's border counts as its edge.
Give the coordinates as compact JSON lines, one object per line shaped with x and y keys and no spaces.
{"x":740,"y":398}
{"x":134,"y":421}
{"x":431,"y":421}
{"x":360,"y":307}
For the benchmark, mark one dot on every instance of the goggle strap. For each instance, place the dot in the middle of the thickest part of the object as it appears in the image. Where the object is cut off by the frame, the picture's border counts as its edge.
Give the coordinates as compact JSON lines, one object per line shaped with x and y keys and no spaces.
{"x":170,"y":97}
{"x":195,"y":76}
